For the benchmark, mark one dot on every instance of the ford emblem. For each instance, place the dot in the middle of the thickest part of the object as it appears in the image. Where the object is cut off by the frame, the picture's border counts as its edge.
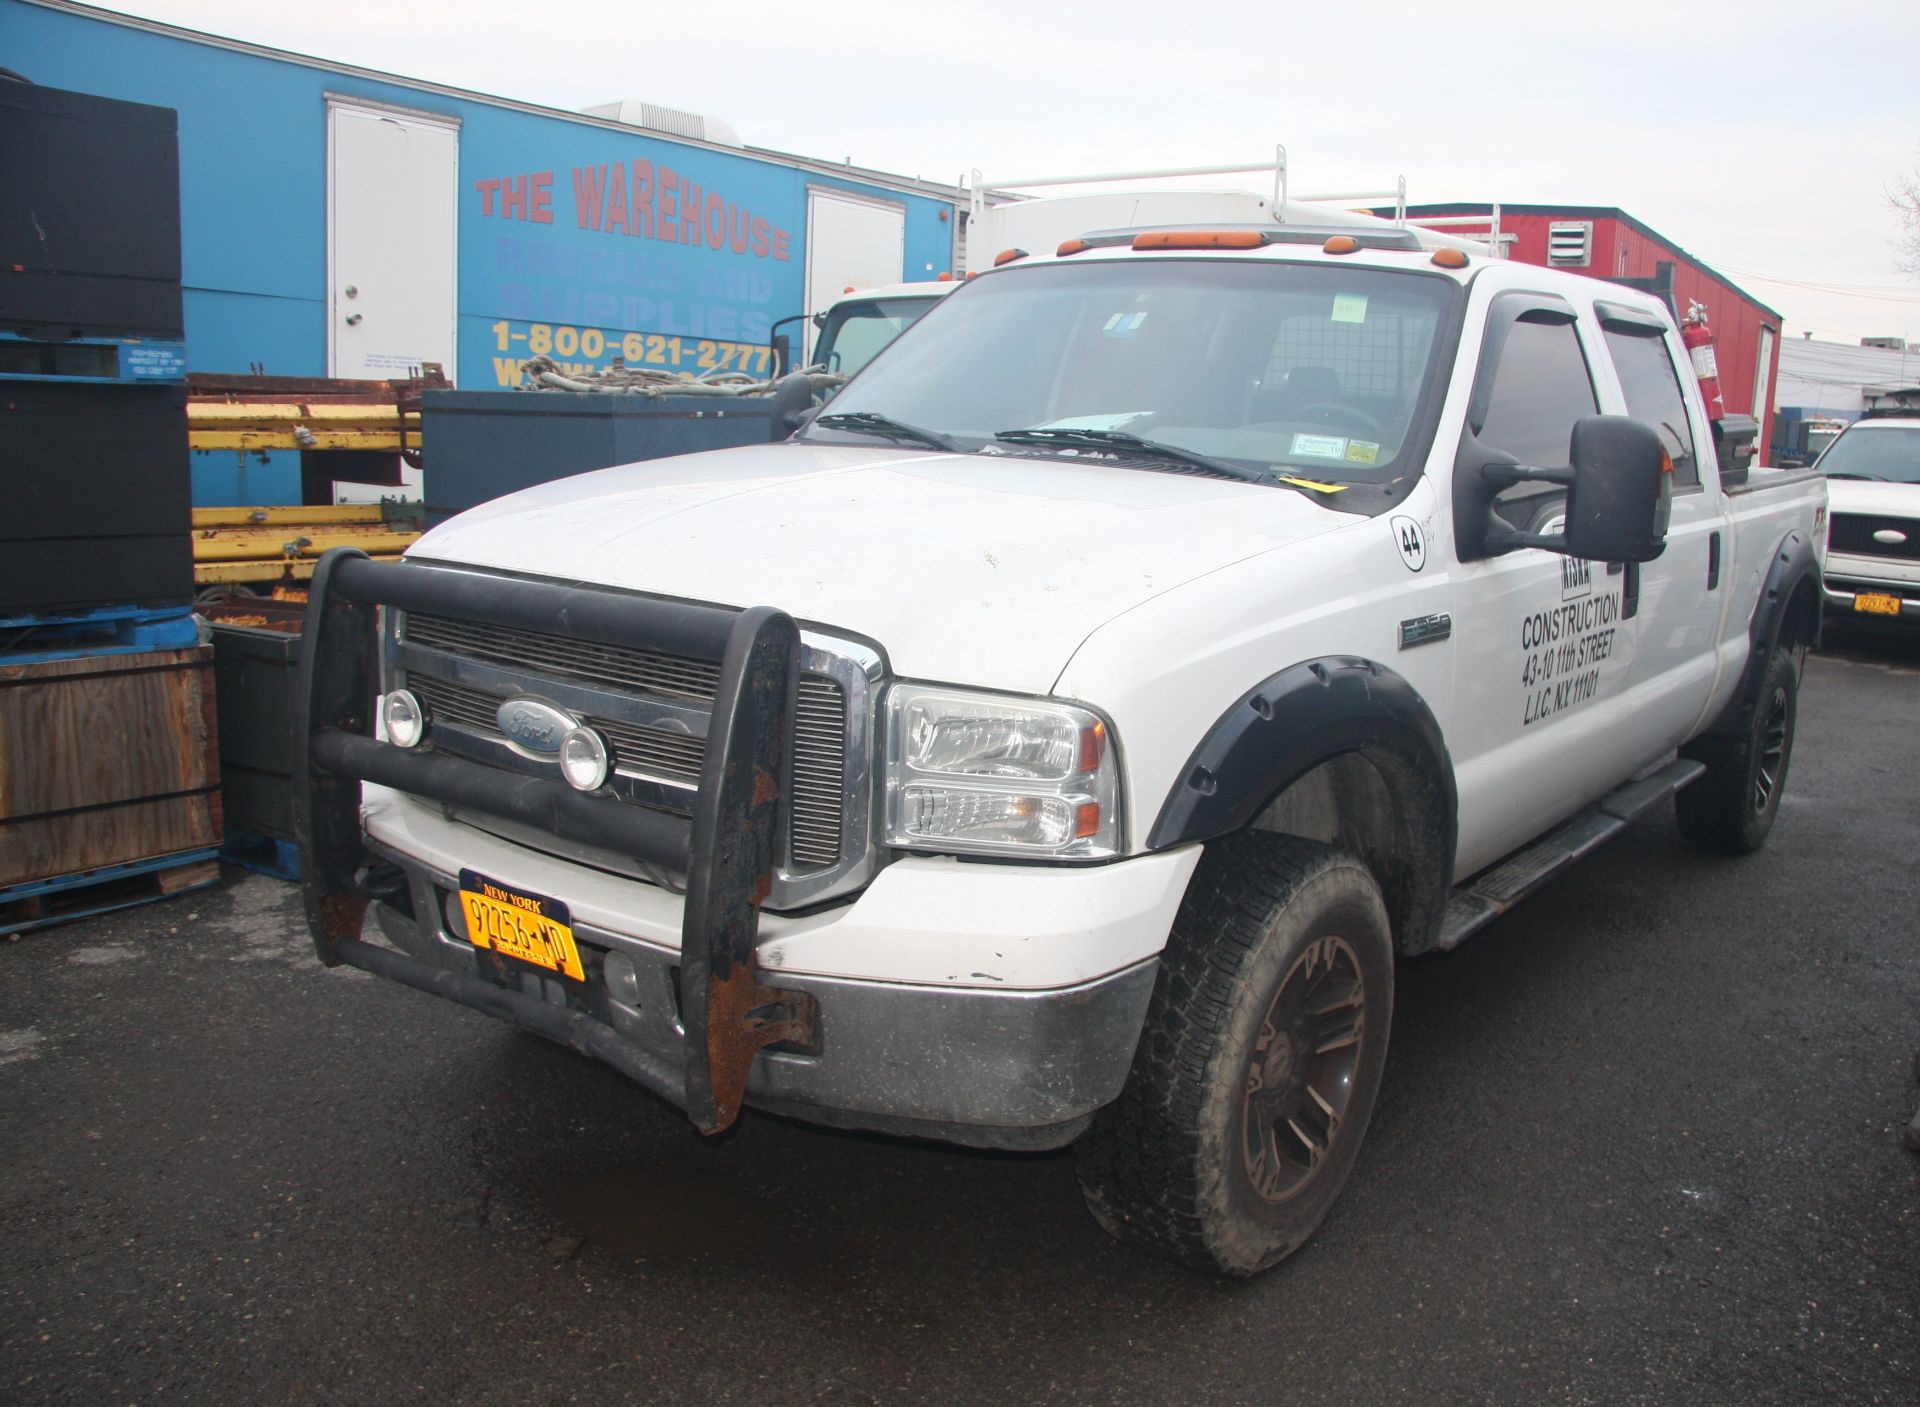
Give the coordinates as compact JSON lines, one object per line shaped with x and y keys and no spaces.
{"x":533,"y":726}
{"x":1890,"y":537}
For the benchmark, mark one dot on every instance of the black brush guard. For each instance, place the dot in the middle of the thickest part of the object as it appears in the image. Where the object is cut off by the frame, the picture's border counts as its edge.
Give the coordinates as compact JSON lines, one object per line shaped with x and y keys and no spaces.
{"x":727,"y":850}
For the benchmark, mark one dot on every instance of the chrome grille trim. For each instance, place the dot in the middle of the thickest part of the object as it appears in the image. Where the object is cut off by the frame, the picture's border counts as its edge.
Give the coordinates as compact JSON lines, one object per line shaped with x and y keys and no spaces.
{"x":463,"y":670}
{"x":693,"y":680}
{"x":816,"y":817}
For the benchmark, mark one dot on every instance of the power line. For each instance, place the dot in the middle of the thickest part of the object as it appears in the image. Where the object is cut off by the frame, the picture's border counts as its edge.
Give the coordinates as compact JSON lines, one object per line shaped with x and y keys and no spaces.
{"x":1878,"y":293}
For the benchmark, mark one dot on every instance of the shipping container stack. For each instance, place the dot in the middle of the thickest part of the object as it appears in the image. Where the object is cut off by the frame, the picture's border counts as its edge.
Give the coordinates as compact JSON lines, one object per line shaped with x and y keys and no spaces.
{"x":109,"y":768}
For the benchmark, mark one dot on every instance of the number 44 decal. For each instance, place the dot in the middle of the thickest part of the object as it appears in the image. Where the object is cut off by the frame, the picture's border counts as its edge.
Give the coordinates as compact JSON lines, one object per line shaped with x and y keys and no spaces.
{"x":1411,"y":541}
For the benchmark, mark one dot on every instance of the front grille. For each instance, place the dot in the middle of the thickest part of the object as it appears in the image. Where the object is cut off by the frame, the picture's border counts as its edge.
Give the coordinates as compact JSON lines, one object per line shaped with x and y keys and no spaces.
{"x":623,"y":668}
{"x":1853,"y":533}
{"x":818,"y":802}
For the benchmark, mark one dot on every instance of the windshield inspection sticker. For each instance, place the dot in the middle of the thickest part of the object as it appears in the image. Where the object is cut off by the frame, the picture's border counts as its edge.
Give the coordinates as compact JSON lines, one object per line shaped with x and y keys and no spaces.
{"x":1410,"y":540}
{"x":1349,"y":307}
{"x":1362,"y":451}
{"x":1321,"y":446}
{"x":1113,"y":421}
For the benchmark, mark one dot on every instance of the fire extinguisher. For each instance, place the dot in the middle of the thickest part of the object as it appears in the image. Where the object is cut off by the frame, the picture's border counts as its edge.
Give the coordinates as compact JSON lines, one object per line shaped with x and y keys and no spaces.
{"x":1698,"y":340}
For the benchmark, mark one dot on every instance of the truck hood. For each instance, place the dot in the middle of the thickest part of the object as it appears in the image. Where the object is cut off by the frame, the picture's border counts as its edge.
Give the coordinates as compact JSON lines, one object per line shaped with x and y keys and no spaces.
{"x":974,"y":569}
{"x":1872,"y":497}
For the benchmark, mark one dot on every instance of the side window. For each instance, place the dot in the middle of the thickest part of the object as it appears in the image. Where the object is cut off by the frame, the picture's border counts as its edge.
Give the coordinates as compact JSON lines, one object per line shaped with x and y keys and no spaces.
{"x":1539,"y":388}
{"x":1528,"y":403}
{"x":1652,"y":389}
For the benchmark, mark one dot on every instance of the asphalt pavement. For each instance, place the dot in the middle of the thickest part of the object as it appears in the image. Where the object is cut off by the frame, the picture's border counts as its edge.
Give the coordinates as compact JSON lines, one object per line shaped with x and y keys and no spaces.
{"x":1639,"y":1142}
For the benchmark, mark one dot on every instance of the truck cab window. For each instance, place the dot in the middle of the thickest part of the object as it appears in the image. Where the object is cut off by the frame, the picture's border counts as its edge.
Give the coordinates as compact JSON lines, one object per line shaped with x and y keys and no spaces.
{"x":1652,"y":389}
{"x":1540,"y":386}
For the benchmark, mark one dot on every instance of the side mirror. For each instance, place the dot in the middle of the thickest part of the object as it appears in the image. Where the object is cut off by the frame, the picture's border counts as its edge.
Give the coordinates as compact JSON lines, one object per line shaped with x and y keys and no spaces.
{"x":1619,"y":494}
{"x":782,"y":348}
{"x":792,"y":406}
{"x":1622,"y":491}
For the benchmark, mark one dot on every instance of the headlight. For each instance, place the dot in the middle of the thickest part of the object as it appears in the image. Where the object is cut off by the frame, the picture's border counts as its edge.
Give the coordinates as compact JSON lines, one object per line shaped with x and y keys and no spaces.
{"x":976,"y":772}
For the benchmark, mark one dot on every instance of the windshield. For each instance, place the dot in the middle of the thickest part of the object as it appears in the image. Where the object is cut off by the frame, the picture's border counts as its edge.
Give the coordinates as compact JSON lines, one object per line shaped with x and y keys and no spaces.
{"x":1319,"y":372}
{"x":1889,"y":452}
{"x":854,"y":333}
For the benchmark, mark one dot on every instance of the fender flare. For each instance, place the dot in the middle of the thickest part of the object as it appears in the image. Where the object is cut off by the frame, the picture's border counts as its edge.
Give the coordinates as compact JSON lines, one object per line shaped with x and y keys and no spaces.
{"x":1292,"y":722}
{"x":1792,"y":564}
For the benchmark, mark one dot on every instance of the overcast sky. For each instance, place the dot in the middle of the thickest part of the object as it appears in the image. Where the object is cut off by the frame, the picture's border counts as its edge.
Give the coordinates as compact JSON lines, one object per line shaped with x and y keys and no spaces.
{"x":1759,"y":135}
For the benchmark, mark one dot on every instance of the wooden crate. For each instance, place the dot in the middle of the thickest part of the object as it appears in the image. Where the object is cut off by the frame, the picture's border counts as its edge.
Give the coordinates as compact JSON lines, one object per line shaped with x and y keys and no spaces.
{"x":106,"y":760}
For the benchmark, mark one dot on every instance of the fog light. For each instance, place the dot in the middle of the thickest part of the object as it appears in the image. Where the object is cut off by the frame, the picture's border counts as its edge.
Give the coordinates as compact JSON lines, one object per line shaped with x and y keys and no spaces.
{"x":623,"y":979}
{"x":405,"y":717}
{"x":583,"y":759}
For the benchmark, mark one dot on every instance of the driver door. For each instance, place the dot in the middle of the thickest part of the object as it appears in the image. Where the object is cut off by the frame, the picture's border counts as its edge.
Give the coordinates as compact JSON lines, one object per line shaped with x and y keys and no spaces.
{"x":1546,"y":641}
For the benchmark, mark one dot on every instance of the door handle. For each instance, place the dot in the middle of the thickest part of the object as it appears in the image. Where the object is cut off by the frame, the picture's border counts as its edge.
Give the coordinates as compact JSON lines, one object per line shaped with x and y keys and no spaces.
{"x":1713,"y":561}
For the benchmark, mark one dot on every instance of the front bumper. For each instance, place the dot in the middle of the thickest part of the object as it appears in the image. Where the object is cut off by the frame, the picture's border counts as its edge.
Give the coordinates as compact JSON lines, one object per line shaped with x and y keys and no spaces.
{"x":1841,"y":590}
{"x":1000,"y":1065}
{"x":988,"y":1004}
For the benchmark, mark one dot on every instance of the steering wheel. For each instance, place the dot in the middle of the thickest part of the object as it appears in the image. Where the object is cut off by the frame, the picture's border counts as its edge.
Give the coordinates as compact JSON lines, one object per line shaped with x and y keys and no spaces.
{"x":1335,"y":413}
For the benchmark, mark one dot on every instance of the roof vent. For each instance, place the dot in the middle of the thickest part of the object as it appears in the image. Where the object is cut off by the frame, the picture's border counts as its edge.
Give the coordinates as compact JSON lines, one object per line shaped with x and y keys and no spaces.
{"x":1570,"y":243}
{"x":701,"y":127}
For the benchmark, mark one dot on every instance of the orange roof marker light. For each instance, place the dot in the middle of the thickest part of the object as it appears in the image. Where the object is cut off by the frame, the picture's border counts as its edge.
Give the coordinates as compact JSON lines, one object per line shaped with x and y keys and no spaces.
{"x":1199,"y":239}
{"x":1450,"y":258}
{"x":944,"y":278}
{"x":1007,"y":256}
{"x":1072,"y":246}
{"x":1341,"y":244}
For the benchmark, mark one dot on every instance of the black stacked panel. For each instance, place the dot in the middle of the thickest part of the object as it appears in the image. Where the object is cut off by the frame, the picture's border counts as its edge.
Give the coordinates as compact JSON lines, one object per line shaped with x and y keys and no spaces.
{"x":95,"y":487}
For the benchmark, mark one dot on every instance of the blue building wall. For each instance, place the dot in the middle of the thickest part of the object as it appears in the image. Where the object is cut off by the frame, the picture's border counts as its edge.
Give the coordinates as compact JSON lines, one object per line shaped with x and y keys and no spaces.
{"x":556,"y":253}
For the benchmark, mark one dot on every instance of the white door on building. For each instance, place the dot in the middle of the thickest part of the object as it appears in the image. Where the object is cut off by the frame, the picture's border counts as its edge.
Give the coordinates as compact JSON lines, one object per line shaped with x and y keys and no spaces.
{"x":392,"y":204}
{"x":851,"y":243}
{"x":1760,"y":406}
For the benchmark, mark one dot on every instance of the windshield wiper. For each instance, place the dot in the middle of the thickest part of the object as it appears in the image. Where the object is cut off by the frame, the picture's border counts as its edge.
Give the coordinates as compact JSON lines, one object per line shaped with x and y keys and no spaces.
{"x":1122,"y":443}
{"x":866,"y":422}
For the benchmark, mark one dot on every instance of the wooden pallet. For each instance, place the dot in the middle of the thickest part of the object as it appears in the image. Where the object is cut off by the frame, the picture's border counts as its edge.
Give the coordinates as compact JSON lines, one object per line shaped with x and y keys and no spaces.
{"x":106,"y":760}
{"x":47,"y":902}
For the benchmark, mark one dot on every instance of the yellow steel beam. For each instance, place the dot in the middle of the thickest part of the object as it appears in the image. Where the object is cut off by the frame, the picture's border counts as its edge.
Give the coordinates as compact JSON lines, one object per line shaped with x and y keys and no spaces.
{"x":280,"y":569}
{"x":290,"y":515}
{"x":302,"y":437}
{"x":238,"y":547}
{"x":238,"y":415}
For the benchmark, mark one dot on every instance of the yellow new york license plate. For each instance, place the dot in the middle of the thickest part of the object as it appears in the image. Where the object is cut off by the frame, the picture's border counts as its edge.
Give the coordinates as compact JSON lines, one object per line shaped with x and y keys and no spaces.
{"x":530,"y":927}
{"x":1876,"y":603}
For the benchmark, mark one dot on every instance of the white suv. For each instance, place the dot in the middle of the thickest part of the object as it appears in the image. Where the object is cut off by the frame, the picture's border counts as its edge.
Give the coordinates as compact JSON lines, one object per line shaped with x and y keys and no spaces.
{"x":1873,"y":564}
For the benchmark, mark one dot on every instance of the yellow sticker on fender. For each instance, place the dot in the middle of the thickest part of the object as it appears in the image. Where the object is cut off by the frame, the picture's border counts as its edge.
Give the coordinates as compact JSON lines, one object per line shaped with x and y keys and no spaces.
{"x":516,"y":924}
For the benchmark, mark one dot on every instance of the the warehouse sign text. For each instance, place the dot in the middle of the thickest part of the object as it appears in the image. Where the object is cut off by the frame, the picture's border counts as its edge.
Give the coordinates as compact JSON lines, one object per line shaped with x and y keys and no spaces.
{"x":640,"y":200}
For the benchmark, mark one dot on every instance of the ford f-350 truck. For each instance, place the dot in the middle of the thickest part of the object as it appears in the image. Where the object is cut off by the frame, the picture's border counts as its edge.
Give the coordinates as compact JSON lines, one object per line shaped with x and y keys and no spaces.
{"x":1058,"y":737}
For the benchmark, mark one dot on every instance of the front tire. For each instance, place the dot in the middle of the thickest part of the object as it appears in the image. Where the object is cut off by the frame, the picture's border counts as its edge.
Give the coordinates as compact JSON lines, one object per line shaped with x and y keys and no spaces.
{"x":1732,"y":808}
{"x":1259,"y":1064}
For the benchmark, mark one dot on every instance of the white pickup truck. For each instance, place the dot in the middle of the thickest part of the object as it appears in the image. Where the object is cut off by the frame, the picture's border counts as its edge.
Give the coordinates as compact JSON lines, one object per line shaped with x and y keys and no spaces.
{"x":1059,"y":735}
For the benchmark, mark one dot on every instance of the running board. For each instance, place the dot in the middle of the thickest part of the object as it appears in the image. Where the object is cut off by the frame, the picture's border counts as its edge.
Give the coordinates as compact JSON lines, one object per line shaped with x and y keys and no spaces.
{"x":1492,"y":892}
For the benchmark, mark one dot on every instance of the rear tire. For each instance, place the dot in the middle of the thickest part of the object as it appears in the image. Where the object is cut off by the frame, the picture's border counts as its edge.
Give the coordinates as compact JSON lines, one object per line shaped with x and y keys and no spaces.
{"x":1732,"y":808}
{"x":1259,"y":1064}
